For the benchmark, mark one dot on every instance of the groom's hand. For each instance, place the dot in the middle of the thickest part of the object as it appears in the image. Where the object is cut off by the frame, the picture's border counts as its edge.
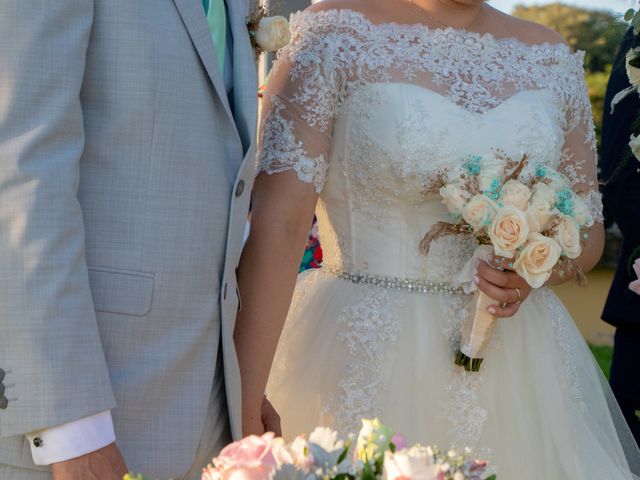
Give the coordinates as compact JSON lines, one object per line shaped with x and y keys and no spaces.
{"x":104,"y":464}
{"x":270,"y":418}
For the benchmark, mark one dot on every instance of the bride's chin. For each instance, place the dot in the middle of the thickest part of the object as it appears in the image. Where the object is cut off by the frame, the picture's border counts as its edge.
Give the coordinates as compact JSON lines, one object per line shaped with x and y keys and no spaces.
{"x":463,"y":3}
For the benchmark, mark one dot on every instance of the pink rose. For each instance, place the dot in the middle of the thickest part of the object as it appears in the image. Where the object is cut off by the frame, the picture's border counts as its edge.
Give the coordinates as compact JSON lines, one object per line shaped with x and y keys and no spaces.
{"x":252,"y":458}
{"x":635,"y":285}
{"x":399,"y":441}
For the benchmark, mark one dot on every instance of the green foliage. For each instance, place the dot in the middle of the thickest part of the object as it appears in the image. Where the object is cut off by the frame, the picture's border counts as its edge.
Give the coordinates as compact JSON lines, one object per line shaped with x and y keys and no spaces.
{"x":597,"y":32}
{"x":604,"y":356}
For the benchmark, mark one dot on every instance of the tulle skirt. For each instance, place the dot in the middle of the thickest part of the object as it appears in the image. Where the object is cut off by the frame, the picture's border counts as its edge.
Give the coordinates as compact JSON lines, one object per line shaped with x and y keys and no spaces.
{"x":539,"y":408}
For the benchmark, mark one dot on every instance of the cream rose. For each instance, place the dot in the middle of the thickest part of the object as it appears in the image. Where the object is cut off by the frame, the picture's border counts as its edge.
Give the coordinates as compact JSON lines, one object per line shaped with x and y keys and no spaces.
{"x":556,"y":180}
{"x":634,"y":144}
{"x":509,"y":231}
{"x":272,"y":33}
{"x":567,"y":234}
{"x":632,"y":72}
{"x":491,"y":171}
{"x":537,"y":260}
{"x":480,"y":212}
{"x":541,"y":207}
{"x":515,"y":193}
{"x":454,"y":197}
{"x":581,"y":212}
{"x":415,"y":463}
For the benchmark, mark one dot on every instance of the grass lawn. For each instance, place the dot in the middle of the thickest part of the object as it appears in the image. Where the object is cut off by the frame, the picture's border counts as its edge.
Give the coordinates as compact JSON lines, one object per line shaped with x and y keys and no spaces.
{"x":603,"y":354}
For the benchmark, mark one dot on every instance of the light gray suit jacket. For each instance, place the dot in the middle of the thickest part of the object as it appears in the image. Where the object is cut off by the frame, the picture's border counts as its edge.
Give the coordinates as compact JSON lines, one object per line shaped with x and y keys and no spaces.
{"x":125,"y":178}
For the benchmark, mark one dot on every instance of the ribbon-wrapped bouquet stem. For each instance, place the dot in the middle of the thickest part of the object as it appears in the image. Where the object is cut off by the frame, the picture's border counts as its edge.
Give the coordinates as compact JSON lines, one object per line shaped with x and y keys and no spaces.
{"x":533,"y":220}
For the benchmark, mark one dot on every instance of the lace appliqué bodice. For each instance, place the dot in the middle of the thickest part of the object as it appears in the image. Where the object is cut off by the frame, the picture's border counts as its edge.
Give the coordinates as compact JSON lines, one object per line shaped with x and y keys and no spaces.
{"x":371,"y":114}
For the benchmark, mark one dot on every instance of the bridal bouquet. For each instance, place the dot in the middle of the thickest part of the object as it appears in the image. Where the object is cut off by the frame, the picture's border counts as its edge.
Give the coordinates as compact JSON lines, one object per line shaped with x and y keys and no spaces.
{"x":534,"y":223}
{"x":377,"y":453}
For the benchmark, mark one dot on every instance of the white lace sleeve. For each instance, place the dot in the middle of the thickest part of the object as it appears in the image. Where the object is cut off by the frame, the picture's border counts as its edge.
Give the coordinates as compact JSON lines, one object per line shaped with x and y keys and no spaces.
{"x":579,"y":158}
{"x":299,"y":106}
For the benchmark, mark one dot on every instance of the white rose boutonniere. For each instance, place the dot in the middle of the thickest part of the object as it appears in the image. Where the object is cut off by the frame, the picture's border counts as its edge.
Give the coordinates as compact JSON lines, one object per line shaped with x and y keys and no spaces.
{"x":634,"y":144}
{"x":633,"y":72}
{"x":268,"y":33}
{"x":272,"y":33}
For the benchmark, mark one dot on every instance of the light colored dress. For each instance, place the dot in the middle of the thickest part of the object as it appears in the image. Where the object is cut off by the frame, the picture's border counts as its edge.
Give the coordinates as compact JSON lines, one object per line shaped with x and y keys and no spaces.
{"x":371,"y":114}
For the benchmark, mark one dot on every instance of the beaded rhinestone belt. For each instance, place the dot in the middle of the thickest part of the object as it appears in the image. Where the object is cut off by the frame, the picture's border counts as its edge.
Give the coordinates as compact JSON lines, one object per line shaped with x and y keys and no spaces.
{"x":392,"y":283}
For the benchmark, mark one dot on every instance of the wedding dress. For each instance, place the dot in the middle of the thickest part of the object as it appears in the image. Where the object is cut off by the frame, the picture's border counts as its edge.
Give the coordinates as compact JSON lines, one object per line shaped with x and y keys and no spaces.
{"x":371,"y":114}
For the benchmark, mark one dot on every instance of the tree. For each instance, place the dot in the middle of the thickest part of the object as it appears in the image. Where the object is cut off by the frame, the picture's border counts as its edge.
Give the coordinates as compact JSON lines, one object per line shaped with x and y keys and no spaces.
{"x":597,"y":32}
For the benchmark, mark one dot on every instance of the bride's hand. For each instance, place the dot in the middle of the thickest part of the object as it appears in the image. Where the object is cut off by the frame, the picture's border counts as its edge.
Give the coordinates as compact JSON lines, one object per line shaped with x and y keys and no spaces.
{"x":497,"y":279}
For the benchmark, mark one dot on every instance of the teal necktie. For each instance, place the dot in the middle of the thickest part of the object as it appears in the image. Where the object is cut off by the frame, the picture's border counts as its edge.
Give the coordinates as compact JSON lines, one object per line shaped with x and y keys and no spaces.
{"x":217,"y":19}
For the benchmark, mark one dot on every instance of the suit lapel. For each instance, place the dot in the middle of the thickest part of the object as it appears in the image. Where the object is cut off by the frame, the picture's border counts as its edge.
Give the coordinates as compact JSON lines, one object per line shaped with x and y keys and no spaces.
{"x":245,"y":81}
{"x":195,"y":22}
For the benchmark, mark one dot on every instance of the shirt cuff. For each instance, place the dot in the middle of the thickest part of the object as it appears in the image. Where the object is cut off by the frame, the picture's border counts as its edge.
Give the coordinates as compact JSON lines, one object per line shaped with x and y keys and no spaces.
{"x":72,"y":440}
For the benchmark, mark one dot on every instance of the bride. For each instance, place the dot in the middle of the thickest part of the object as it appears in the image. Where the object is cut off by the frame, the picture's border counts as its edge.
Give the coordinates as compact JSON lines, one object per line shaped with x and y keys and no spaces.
{"x":371,"y":101}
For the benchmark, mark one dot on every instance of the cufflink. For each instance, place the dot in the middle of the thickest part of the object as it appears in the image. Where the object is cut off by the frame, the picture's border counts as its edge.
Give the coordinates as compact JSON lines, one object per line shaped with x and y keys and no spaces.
{"x":37,"y":442}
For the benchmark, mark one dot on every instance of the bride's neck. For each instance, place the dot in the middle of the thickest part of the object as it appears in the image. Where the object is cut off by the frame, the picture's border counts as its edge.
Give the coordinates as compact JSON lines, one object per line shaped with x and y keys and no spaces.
{"x":456,"y":13}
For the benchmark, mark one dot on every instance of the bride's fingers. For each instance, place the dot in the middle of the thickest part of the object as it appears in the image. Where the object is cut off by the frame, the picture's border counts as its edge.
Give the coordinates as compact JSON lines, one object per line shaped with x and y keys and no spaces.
{"x":499,"y":294}
{"x":506,"y":311}
{"x":489,"y":273}
{"x":501,"y":263}
{"x":504,"y":279}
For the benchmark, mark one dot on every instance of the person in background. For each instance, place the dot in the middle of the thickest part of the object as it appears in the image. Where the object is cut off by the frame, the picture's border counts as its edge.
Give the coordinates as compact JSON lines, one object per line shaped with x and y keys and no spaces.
{"x":620,"y":172}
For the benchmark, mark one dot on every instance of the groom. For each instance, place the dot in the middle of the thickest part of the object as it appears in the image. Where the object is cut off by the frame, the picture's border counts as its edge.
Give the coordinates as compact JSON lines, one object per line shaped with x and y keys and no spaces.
{"x":126,"y":164}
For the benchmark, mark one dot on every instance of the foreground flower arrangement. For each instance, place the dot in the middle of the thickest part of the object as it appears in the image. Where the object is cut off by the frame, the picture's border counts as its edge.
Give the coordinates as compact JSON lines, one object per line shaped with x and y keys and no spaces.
{"x":376,"y":454}
{"x":533,"y":221}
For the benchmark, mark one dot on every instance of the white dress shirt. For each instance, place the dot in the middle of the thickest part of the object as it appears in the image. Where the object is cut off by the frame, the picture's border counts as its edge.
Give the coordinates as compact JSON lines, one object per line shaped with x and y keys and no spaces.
{"x":72,"y":440}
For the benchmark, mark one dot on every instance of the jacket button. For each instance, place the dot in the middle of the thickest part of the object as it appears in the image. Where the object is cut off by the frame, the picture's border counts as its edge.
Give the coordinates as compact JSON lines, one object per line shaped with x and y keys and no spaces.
{"x":4,"y":403}
{"x":240,"y":188}
{"x":224,"y":294}
{"x":1,"y":374}
{"x":38,"y":442}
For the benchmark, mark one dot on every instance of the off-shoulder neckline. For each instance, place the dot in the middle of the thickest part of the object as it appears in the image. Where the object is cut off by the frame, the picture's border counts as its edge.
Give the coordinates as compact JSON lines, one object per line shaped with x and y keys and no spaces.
{"x":424,"y":29}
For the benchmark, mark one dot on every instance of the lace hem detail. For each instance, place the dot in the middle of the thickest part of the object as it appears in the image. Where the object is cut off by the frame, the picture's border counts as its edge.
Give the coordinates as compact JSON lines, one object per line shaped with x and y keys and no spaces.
{"x":370,"y":331}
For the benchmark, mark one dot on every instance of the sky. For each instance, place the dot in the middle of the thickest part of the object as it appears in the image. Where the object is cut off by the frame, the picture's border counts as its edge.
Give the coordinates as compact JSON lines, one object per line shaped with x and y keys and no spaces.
{"x":617,"y":6}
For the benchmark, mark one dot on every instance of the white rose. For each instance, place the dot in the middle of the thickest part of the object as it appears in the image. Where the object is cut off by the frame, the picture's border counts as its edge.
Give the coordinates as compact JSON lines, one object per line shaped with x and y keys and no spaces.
{"x":581,"y":212}
{"x":480,"y":212}
{"x":491,"y":171}
{"x":509,"y":231}
{"x":632,"y":72}
{"x":634,"y":144}
{"x":415,"y":463}
{"x":272,"y":33}
{"x":454,"y":197}
{"x":515,"y":193}
{"x":541,"y":207}
{"x":537,"y":260}
{"x":555,"y":179}
{"x":567,"y":234}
